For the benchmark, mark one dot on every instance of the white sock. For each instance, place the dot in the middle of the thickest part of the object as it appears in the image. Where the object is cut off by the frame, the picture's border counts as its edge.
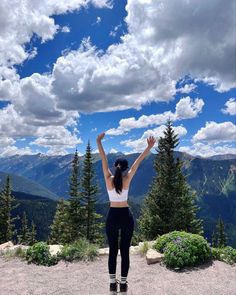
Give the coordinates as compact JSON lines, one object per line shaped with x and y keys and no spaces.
{"x":123,"y":280}
{"x":112,"y":278}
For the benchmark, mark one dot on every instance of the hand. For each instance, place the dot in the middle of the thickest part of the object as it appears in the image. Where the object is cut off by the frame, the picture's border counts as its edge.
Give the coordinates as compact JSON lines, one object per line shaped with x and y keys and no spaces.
{"x":151,"y":141}
{"x":100,"y":136}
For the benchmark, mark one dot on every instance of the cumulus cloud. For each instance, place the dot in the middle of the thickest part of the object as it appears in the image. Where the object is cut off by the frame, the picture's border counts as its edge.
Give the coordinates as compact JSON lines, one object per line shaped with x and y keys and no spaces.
{"x":187,"y":88}
{"x":207,"y":150}
{"x":186,"y":108}
{"x":190,"y":32}
{"x":230,"y":107}
{"x":21,"y":19}
{"x":214,"y":132}
{"x":140,"y":144}
{"x":159,"y":49}
{"x":65,"y":29}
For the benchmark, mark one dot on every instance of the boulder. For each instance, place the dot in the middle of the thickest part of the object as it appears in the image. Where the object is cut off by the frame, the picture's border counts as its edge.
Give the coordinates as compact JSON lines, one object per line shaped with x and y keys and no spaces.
{"x":134,"y":249}
{"x":153,"y":256}
{"x":6,"y":245}
{"x":103,"y":251}
{"x":54,"y":249}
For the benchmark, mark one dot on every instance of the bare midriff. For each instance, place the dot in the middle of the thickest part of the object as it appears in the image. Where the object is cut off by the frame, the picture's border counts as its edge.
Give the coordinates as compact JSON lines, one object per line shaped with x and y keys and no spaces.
{"x":119,"y":204}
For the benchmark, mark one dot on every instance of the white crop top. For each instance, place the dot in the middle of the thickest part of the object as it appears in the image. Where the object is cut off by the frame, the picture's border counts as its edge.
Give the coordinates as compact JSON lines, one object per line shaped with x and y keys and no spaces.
{"x":115,"y":197}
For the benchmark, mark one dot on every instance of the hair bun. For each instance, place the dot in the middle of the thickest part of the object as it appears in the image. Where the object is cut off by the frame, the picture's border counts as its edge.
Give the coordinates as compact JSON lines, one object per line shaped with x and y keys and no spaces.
{"x":122,"y":163}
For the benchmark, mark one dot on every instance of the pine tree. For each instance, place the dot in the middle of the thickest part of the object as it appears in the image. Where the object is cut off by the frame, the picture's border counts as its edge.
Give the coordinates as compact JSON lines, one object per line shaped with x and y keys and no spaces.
{"x":220,"y":234}
{"x":32,"y":234}
{"x":7,"y":225}
{"x":23,"y":237}
{"x":185,"y":207}
{"x":61,"y":227}
{"x":214,"y":239}
{"x":88,"y":191}
{"x":76,"y":210}
{"x":169,"y":204}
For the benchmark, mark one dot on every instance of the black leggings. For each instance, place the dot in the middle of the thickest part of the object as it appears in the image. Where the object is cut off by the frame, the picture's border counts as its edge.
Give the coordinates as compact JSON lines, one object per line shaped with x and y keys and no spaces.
{"x":119,"y":218}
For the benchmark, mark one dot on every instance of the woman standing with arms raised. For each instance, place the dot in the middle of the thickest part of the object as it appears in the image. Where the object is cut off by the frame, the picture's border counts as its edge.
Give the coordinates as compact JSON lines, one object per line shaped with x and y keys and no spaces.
{"x":119,"y":215}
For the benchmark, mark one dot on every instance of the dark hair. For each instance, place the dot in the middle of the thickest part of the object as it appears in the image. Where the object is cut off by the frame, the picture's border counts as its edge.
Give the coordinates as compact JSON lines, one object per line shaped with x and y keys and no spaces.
{"x":121,"y":165}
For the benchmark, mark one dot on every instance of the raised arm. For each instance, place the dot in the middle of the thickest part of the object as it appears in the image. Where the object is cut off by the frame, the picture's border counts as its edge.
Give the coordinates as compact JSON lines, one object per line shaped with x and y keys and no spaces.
{"x":150,"y":141}
{"x":106,"y":171}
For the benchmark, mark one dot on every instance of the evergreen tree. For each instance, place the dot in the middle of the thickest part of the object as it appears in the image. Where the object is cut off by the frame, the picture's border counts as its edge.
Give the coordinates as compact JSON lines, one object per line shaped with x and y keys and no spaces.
{"x":169,"y":204}
{"x":32,"y":234}
{"x":23,"y":237}
{"x":219,"y":237}
{"x":76,"y":211}
{"x":61,"y":227}
{"x":214,"y":239}
{"x":7,"y":225}
{"x":185,"y":207}
{"x":88,"y":191}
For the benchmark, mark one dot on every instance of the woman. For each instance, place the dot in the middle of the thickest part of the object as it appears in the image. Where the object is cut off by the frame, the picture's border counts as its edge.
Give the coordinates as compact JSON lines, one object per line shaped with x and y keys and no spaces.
{"x":119,"y":215}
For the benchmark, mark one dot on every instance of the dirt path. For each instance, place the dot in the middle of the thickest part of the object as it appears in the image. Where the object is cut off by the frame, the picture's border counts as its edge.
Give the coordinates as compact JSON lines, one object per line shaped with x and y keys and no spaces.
{"x":91,"y":278}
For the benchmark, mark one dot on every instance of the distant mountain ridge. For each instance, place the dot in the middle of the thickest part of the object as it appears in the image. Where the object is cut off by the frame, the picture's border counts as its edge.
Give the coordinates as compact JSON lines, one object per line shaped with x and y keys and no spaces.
{"x":213,"y":179}
{"x":206,"y":175}
{"x":24,"y":185}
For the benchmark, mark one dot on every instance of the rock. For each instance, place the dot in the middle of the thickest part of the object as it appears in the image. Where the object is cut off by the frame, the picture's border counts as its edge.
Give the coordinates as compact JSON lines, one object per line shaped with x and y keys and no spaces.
{"x":103,"y":251}
{"x":54,"y":249}
{"x":6,"y":245}
{"x":13,"y":248}
{"x":134,"y":249}
{"x":152,"y":256}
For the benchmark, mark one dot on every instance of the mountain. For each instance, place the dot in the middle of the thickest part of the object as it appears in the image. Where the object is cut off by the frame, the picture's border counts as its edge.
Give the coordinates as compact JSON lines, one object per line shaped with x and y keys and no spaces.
{"x":24,"y":185}
{"x":213,"y":179}
{"x":205,"y":175}
{"x":38,"y":209}
{"x":223,"y":157}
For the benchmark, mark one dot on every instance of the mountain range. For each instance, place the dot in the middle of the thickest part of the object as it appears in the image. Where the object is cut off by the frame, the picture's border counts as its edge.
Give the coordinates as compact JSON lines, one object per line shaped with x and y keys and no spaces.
{"x":214,"y":180}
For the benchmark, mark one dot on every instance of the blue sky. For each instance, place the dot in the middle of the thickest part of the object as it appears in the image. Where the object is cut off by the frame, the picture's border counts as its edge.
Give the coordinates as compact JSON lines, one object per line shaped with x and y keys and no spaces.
{"x":74,"y":71}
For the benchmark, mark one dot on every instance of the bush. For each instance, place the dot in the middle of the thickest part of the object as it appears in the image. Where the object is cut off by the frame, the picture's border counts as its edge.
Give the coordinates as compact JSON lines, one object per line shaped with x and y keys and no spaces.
{"x":39,"y":254}
{"x":183,"y":249}
{"x":226,"y":254}
{"x":81,"y":249}
{"x":163,"y":240}
{"x":144,"y":248}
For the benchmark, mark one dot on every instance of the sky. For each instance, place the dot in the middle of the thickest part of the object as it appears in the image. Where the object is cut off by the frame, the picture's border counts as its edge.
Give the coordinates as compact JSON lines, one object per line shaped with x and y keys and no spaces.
{"x":71,"y":69}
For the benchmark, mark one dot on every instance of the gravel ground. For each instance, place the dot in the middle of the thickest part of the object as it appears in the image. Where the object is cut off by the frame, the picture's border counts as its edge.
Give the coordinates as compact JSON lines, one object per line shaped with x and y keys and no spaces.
{"x":92,"y":278}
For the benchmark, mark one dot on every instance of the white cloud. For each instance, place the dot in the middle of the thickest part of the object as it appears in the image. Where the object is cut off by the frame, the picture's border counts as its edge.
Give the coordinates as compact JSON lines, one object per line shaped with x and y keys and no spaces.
{"x":230,"y":107}
{"x":191,"y":37}
{"x":113,"y":32}
{"x":188,"y":88}
{"x":214,"y":132}
{"x":113,"y":151}
{"x":207,"y":150}
{"x":56,"y":138}
{"x":186,"y":108}
{"x":140,"y":144}
{"x":14,"y":150}
{"x":20,"y":19}
{"x":98,"y":20}
{"x":65,"y":29}
{"x":165,"y":41}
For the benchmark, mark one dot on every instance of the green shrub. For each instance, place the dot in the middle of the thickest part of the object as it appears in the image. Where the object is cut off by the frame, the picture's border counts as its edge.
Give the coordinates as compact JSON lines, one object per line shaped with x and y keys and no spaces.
{"x":39,"y":254}
{"x":183,"y":249}
{"x":163,"y":240}
{"x":226,"y":254}
{"x":81,"y":249}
